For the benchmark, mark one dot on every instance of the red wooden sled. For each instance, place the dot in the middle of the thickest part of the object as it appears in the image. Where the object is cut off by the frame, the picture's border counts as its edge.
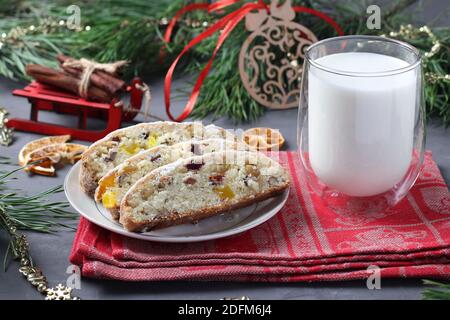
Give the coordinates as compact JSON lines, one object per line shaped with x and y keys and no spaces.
{"x":44,"y":97}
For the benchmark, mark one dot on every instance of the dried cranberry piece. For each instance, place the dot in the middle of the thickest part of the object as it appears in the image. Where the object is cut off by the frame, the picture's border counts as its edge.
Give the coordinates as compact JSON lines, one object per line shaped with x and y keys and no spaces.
{"x":189,"y":180}
{"x":215,"y":180}
{"x":155,"y":158}
{"x":194,"y":166}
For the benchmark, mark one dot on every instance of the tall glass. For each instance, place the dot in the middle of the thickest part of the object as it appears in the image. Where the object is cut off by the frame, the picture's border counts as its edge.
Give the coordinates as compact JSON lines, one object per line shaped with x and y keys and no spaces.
{"x":361,"y":122}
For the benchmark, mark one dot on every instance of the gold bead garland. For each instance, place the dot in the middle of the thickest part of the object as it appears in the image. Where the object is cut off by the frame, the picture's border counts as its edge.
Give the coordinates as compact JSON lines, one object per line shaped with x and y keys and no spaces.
{"x":410,"y":32}
{"x":46,"y":26}
{"x":243,"y":298}
{"x":19,"y":247}
{"x":50,"y":25}
{"x":433,"y":77}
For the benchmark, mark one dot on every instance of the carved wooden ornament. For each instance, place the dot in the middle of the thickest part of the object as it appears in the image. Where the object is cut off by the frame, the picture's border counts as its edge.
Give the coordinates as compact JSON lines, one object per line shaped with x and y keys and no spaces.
{"x":271,"y":58}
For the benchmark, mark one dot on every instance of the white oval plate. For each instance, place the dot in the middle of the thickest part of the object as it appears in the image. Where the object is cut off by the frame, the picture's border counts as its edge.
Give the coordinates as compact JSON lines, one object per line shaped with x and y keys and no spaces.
{"x":219,"y":226}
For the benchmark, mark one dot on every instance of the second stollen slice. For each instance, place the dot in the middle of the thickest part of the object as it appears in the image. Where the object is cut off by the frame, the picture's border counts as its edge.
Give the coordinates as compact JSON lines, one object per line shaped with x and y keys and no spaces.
{"x":199,"y":187}
{"x":113,"y":186}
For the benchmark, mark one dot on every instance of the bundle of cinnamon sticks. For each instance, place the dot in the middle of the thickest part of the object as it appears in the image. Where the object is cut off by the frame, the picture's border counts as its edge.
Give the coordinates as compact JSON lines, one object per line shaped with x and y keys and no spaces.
{"x":102,"y":86}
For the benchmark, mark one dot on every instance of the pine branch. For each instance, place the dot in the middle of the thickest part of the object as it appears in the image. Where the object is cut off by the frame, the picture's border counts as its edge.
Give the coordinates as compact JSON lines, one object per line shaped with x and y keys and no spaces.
{"x":235,"y":103}
{"x":399,"y":7}
{"x":35,"y":35}
{"x":232,"y":100}
{"x":436,"y":67}
{"x":438,"y":291}
{"x":131,"y":30}
{"x":35,"y":212}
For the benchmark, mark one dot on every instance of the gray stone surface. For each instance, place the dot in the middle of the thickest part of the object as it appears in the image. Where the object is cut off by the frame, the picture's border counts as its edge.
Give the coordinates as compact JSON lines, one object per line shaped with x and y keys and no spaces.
{"x":51,"y":251}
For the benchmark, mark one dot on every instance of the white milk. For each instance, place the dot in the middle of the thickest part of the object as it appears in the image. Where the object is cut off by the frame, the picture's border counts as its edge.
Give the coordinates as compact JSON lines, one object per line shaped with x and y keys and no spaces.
{"x":361,"y":128}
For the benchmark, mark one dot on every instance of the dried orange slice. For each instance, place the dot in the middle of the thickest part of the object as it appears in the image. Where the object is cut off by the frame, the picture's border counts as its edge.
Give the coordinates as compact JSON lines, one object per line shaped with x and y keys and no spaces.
{"x":43,"y":167}
{"x":51,"y":154}
{"x":39,"y":143}
{"x":264,"y":138}
{"x":70,"y":152}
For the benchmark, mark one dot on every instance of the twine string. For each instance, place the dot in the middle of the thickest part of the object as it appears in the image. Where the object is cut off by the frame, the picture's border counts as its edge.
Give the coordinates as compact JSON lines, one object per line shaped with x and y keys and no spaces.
{"x":146,"y":99}
{"x":89,"y":67}
{"x":146,"y":103}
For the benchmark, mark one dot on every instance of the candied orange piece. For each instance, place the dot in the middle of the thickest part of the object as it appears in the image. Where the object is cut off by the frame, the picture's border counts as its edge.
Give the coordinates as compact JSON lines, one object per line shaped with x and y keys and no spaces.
{"x":109,"y":199}
{"x":131,"y":148}
{"x":225,"y":192}
{"x":109,"y":181}
{"x":129,"y":169}
{"x":106,"y":183}
{"x":152,"y":141}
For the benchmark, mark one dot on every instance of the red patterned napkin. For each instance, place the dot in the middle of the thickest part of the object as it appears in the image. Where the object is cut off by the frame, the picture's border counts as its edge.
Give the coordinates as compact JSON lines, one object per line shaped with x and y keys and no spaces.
{"x":305,"y":241}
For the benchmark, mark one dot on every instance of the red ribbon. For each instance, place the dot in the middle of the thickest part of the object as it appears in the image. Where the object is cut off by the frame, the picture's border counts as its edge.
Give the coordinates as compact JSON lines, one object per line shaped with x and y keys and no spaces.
{"x":226,"y":25}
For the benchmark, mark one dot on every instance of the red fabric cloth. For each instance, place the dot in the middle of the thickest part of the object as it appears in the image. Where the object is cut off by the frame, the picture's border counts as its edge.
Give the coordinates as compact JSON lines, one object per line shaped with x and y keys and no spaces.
{"x":305,"y":241}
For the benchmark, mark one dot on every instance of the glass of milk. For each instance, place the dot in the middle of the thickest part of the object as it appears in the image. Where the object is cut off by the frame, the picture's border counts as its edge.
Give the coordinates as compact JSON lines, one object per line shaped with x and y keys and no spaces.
{"x":361,"y":123}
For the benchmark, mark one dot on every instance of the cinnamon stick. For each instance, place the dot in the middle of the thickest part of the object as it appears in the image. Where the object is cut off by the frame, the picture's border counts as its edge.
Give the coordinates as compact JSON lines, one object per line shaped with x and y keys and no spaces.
{"x":99,"y":78}
{"x":65,"y":81}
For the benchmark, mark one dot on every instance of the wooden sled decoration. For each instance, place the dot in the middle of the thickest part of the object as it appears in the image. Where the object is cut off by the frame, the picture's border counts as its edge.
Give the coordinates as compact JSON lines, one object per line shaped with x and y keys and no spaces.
{"x":48,"y":98}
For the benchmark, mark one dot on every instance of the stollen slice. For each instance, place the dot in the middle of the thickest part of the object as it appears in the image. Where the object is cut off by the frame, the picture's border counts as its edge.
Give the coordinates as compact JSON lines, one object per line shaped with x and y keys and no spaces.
{"x":113,"y":186}
{"x":199,"y":187}
{"x":116,"y":147}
